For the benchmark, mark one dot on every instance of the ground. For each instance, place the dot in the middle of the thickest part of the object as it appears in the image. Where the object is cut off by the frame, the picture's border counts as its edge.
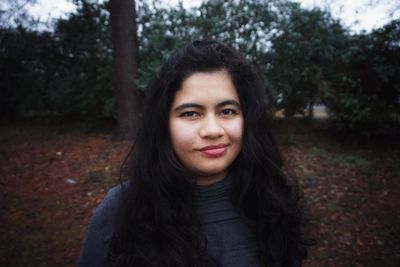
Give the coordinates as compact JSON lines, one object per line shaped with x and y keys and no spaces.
{"x":53,"y":175}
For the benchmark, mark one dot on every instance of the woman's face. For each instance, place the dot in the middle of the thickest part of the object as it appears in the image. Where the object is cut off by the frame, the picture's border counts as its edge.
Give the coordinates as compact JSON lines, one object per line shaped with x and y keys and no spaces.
{"x":206,"y":125}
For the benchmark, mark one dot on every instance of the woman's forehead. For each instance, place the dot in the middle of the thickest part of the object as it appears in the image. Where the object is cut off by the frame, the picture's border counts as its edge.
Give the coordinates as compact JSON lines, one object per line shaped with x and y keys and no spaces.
{"x":205,"y":87}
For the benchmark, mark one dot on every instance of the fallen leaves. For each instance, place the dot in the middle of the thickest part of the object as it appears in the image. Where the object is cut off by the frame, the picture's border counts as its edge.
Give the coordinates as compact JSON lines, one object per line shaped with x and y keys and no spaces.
{"x":52,"y":180}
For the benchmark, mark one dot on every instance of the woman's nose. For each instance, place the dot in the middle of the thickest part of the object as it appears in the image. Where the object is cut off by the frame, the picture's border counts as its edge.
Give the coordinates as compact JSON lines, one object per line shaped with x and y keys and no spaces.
{"x":211,"y":127}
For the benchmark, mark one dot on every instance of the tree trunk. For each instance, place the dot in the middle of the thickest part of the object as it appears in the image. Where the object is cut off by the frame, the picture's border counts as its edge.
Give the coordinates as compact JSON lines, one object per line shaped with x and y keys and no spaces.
{"x":124,"y":42}
{"x":310,"y":113}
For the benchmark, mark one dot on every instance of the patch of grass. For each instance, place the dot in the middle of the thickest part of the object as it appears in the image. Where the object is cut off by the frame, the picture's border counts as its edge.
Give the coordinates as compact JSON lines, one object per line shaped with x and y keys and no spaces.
{"x":315,"y":151}
{"x":292,"y":140}
{"x":352,"y":160}
{"x":102,"y":178}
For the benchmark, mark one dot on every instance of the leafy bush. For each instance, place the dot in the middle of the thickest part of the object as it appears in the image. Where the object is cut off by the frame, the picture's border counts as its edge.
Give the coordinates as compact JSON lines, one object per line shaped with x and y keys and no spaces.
{"x":364,"y":83}
{"x":305,"y":55}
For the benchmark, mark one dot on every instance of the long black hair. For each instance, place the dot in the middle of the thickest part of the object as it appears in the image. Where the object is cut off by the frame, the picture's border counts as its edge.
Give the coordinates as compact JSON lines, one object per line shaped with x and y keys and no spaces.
{"x":158,"y":223}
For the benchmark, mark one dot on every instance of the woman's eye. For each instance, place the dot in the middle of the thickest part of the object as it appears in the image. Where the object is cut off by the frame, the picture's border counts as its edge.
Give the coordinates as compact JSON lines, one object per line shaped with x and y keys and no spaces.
{"x":228,"y":112}
{"x":190,"y":114}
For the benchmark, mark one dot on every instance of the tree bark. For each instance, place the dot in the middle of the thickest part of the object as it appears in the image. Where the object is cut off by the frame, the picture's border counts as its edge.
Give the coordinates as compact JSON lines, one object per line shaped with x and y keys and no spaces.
{"x":124,"y":42}
{"x":310,"y":113}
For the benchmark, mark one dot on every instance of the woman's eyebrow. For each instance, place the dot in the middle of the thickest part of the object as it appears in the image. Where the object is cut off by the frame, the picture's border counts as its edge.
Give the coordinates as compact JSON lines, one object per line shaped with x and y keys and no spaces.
{"x":198,"y":106}
{"x":229,"y":102}
{"x":188,"y":105}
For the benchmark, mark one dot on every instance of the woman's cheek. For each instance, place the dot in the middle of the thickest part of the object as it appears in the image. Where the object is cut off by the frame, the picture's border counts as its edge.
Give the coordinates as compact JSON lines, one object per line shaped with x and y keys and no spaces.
{"x":235,"y":129}
{"x":182,"y":133}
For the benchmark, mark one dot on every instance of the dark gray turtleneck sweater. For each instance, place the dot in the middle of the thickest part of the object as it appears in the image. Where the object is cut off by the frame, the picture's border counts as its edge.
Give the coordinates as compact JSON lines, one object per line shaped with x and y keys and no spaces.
{"x":229,"y":240}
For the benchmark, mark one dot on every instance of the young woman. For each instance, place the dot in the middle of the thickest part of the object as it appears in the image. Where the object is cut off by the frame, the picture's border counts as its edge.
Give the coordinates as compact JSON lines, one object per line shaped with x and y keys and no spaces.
{"x":206,"y":185}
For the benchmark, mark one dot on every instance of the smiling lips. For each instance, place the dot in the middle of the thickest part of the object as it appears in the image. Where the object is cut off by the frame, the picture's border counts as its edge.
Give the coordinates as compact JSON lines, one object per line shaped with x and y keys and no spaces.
{"x":214,"y":151}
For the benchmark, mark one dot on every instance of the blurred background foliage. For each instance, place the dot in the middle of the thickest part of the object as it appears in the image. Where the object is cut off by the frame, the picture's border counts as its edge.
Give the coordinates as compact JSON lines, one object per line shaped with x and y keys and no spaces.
{"x":306,"y":57}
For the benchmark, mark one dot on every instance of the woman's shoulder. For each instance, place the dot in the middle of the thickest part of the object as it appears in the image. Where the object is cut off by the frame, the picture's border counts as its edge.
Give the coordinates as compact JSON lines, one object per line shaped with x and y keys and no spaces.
{"x":110,"y":203}
{"x":104,"y":217}
{"x":101,"y":229}
{"x":114,"y":195}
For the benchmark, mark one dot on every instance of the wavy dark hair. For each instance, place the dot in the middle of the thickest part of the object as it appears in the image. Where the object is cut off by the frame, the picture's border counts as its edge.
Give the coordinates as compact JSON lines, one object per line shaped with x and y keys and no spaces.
{"x":158,"y":224}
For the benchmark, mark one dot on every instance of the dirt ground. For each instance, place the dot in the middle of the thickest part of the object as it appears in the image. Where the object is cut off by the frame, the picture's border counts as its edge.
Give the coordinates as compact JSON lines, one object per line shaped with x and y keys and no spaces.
{"x":53,"y":175}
